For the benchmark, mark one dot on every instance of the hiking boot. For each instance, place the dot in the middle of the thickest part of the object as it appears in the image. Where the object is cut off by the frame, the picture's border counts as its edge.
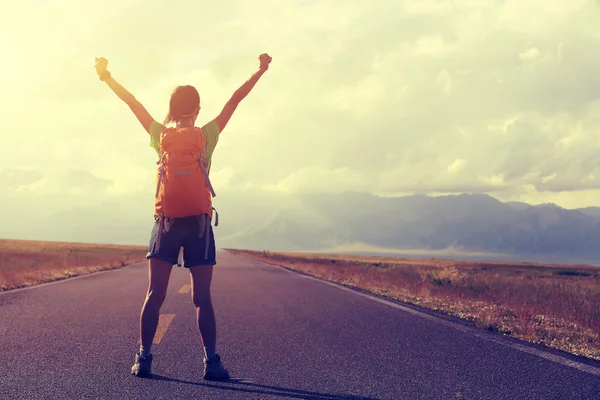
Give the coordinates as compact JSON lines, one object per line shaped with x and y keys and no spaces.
{"x":142,"y":366}
{"x":214,"y":369}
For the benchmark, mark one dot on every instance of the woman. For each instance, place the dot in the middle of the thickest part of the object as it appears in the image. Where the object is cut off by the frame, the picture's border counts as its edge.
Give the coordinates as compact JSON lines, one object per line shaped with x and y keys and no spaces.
{"x":190,"y":230}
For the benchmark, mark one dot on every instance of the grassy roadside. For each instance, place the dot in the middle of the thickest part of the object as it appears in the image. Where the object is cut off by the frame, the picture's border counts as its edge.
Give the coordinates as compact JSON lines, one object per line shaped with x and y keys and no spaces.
{"x":25,"y":263}
{"x":554,"y":305}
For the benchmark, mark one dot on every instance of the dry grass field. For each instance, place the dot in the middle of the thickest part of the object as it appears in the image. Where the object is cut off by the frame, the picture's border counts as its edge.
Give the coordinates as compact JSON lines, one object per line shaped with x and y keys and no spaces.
{"x":25,"y":263}
{"x":550,"y":304}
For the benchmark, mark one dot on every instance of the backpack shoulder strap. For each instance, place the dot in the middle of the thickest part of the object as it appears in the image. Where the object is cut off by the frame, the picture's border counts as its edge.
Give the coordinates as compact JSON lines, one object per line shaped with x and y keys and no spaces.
{"x":204,"y":163}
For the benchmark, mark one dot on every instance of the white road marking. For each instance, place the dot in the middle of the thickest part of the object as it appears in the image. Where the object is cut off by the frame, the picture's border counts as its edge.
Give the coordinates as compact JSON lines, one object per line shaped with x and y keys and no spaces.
{"x":473,"y":331}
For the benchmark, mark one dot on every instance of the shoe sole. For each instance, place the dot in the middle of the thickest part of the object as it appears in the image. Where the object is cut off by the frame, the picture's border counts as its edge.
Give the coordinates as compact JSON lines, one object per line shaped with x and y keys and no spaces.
{"x":142,"y":374}
{"x":216,"y":379}
{"x":211,"y":377}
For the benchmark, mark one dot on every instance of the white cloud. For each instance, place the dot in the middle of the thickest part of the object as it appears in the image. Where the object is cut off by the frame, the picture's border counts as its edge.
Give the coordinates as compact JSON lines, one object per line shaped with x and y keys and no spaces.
{"x":317,"y":179}
{"x":222,"y":177}
{"x":67,"y":182}
{"x":530,"y":54}
{"x":456,"y":166}
{"x":408,"y":96}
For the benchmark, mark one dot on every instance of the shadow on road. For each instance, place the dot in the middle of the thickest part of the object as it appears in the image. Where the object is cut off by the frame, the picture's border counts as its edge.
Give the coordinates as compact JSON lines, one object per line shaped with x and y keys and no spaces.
{"x":235,"y":385}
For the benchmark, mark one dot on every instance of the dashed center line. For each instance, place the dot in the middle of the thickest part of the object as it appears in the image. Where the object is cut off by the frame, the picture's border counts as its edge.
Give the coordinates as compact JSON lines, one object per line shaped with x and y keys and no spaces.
{"x":164,"y":320}
{"x":185,"y":289}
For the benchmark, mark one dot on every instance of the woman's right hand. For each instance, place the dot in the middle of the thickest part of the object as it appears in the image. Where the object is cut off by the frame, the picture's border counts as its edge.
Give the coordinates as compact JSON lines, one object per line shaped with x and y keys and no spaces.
{"x":265,"y":60}
{"x":101,"y":65}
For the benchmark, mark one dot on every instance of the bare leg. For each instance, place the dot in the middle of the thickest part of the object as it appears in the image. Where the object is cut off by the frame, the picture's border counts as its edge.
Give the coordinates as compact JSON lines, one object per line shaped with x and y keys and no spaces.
{"x":159,"y":272}
{"x":201,"y":278}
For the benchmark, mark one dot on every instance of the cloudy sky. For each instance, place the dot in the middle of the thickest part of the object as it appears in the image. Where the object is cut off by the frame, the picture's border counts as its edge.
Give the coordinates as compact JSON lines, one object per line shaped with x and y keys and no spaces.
{"x":388,"y":96}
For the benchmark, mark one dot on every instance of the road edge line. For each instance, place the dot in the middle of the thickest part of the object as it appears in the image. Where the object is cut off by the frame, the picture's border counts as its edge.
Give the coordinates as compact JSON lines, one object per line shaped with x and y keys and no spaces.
{"x":67,"y":279}
{"x":477,"y":332}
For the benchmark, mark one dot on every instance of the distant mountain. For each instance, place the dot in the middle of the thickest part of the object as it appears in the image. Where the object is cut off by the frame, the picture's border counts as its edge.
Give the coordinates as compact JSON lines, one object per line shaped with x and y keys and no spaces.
{"x":518,"y":205}
{"x":474,"y":223}
{"x":593,"y":212}
{"x":470,"y":223}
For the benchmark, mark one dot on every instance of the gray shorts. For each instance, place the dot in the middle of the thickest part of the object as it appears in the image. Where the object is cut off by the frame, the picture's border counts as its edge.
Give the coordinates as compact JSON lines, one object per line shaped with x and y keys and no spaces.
{"x":196,"y":238}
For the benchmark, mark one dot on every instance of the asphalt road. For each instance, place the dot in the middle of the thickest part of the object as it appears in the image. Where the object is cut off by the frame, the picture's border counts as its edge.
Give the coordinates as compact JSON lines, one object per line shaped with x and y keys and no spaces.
{"x":281,"y":335}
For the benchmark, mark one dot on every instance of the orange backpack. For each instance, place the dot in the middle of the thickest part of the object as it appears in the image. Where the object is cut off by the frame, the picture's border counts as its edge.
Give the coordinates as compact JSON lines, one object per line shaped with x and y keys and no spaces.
{"x":182,"y":184}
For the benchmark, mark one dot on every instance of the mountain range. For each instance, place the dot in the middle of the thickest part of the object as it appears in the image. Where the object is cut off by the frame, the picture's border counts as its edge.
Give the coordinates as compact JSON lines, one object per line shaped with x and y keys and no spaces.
{"x":468,"y":223}
{"x":476,"y":224}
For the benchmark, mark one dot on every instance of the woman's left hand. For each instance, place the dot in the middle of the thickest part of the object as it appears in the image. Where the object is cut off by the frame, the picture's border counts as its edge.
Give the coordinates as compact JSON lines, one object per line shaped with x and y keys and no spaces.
{"x":101,"y":65}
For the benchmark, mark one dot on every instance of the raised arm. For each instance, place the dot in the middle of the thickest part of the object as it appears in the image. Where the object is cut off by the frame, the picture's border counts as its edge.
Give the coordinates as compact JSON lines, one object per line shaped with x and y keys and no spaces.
{"x":138,"y":109}
{"x":242,"y":92}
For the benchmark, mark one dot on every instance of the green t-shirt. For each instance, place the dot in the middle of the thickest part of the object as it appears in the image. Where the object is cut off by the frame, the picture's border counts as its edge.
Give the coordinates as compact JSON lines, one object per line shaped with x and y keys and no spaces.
{"x":211,"y":137}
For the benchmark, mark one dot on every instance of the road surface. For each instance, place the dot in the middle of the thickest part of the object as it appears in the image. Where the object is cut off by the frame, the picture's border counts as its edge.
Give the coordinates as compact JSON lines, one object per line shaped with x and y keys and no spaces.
{"x":281,"y":335}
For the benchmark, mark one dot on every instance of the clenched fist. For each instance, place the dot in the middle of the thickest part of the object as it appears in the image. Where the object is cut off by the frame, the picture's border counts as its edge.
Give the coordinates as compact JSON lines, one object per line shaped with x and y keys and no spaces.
{"x":265,"y":60}
{"x":101,"y":65}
